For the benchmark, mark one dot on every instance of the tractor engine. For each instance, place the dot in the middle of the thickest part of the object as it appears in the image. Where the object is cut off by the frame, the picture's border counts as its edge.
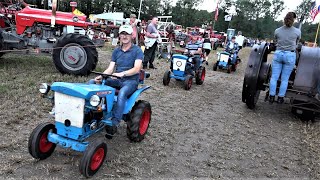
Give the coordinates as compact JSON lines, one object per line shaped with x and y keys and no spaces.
{"x":41,"y":35}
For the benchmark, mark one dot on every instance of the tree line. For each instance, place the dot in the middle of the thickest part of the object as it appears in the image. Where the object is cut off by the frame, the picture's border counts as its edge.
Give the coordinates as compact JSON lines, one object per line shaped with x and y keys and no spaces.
{"x":255,"y":18}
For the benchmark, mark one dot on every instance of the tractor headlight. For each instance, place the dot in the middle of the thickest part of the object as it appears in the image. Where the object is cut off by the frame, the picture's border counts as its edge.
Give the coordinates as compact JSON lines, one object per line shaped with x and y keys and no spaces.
{"x":94,"y":100}
{"x":190,"y":59}
{"x":44,"y":88}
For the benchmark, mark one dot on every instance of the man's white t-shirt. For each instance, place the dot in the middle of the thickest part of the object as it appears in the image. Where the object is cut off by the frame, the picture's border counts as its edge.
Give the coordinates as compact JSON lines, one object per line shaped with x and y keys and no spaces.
{"x":240,"y":40}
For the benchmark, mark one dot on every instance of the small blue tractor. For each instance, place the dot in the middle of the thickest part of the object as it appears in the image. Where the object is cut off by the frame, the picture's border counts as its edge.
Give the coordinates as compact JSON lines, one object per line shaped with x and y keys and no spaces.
{"x":225,"y":62}
{"x":182,"y":68}
{"x":82,"y":110}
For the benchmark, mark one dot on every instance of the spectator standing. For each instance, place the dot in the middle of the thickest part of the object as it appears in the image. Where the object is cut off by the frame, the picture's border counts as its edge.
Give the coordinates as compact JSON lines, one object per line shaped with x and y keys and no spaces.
{"x":284,"y":59}
{"x":240,"y":40}
{"x":151,"y":38}
{"x":133,"y":24}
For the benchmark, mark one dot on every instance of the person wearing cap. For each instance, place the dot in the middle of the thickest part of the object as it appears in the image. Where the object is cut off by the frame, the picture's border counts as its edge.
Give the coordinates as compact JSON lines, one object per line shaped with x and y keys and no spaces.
{"x":284,"y":58}
{"x":134,"y":27}
{"x":126,"y":62}
{"x":150,"y":52}
{"x":233,"y":48}
{"x":194,"y":48}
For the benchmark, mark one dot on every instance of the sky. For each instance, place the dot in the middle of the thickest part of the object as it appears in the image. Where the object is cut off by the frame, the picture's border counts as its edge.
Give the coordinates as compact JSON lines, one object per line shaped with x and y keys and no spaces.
{"x":291,"y":5}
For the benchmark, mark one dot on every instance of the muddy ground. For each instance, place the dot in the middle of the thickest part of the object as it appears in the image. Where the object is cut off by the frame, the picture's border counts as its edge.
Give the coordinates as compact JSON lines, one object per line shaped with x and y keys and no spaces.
{"x":206,"y":132}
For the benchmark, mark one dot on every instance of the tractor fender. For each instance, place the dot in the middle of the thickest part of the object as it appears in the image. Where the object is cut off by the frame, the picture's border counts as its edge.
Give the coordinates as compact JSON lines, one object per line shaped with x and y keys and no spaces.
{"x":132,"y":100}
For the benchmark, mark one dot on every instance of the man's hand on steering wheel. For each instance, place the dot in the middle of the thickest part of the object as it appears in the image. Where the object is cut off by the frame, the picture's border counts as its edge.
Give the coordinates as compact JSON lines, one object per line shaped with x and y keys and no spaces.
{"x":120,"y":75}
{"x":98,"y":79}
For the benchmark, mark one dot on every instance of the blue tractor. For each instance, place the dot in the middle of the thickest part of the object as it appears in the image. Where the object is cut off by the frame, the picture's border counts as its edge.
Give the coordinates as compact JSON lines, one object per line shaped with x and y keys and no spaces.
{"x":80,"y":111}
{"x":225,"y":62}
{"x":183,"y":69}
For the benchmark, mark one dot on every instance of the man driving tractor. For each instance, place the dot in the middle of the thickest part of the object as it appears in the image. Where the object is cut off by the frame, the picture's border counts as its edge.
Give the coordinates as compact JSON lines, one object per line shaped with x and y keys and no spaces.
{"x":126,"y":61}
{"x":194,"y":48}
{"x":233,"y":48}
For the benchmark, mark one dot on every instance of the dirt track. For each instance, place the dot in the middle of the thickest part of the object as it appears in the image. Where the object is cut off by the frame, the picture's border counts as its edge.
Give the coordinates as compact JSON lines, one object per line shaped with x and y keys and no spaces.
{"x":206,"y":132}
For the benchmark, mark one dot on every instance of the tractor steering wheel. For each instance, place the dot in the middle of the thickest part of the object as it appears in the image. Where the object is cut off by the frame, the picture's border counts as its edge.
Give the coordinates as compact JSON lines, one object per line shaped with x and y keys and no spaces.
{"x":105,"y":76}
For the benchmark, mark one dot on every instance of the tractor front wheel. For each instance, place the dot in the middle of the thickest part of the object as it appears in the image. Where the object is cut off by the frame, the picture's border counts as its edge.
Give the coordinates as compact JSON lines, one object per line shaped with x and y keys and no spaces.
{"x":75,"y":54}
{"x":215,"y":66}
{"x":166,"y":78}
{"x":38,"y":145}
{"x":188,"y":82}
{"x":93,"y":158}
{"x":229,"y":68}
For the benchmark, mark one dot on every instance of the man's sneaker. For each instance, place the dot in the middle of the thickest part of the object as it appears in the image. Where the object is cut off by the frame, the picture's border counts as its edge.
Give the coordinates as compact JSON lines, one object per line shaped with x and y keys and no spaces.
{"x":271,"y":99}
{"x":317,"y":97}
{"x":111,"y":131}
{"x":280,"y":100}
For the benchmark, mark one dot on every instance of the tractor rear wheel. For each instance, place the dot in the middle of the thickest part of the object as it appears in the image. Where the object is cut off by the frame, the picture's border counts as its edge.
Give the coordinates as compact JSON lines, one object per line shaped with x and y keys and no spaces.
{"x":75,"y":54}
{"x":138,"y":124}
{"x":256,"y":75}
{"x":200,"y":76}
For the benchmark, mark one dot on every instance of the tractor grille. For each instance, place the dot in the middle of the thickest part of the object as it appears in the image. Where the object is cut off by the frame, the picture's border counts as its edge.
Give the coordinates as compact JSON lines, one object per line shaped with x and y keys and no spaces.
{"x":179,"y":64}
{"x":69,"y":108}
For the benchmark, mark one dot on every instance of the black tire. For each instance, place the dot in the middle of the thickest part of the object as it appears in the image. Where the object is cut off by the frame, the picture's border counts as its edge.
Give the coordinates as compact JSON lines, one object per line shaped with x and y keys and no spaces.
{"x":233,"y":68}
{"x":93,"y":158}
{"x":188,"y":82}
{"x":140,"y":118}
{"x":38,"y":145}
{"x":201,"y":76}
{"x":229,"y":69}
{"x":81,"y":46}
{"x":1,"y":44}
{"x":256,"y":74}
{"x":215,"y":46}
{"x":252,"y":100}
{"x":215,"y":66}
{"x":166,"y":78}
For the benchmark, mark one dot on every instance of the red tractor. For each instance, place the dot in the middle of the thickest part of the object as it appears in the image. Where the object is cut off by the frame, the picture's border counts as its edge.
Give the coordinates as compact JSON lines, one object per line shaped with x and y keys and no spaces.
{"x":49,"y":31}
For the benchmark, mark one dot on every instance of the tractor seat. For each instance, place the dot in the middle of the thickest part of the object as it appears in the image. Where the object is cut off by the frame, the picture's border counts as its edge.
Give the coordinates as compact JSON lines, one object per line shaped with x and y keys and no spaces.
{"x":142,"y":76}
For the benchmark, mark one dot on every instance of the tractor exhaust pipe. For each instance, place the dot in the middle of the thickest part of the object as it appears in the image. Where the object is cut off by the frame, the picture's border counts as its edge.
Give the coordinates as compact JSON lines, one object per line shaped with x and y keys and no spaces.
{"x":54,"y":10}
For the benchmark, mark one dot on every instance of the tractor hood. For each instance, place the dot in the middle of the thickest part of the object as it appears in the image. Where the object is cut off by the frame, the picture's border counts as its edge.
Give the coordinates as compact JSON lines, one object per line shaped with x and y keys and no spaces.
{"x":48,"y":13}
{"x":82,"y":90}
{"x":28,"y":16}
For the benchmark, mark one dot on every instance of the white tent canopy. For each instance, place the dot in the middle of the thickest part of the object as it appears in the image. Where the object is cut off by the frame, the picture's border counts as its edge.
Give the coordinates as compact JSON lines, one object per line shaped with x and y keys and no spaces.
{"x":110,"y":16}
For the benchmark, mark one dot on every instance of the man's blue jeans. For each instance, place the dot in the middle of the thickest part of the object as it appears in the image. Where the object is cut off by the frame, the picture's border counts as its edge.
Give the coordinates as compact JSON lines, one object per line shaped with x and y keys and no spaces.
{"x":197,"y":64}
{"x":234,"y":58}
{"x":283,"y":63}
{"x":127,"y":87}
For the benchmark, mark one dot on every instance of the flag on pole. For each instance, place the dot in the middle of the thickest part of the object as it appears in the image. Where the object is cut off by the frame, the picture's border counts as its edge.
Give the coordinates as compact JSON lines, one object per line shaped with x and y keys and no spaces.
{"x":315,"y":9}
{"x":216,"y":15}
